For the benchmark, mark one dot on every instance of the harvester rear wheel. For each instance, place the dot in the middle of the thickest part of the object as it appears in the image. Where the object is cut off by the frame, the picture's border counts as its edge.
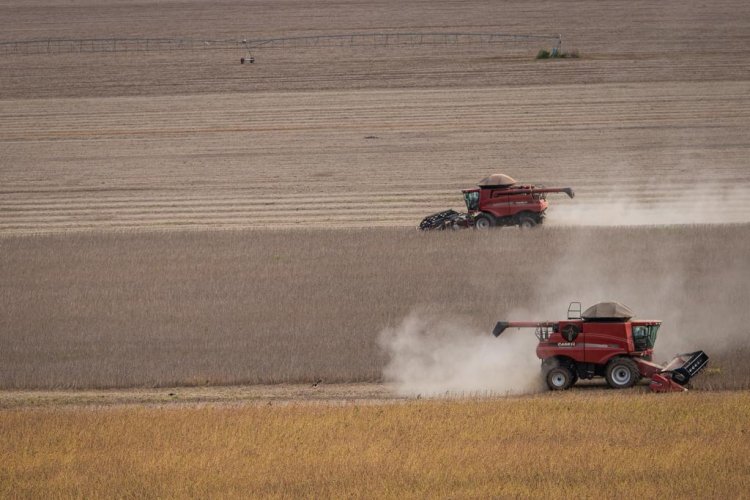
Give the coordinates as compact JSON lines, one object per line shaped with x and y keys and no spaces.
{"x":559,"y":378}
{"x":622,"y":373}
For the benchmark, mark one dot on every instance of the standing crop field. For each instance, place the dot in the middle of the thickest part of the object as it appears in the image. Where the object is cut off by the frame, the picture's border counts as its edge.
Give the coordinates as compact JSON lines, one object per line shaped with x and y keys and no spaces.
{"x":542,"y":447}
{"x":133,"y":309}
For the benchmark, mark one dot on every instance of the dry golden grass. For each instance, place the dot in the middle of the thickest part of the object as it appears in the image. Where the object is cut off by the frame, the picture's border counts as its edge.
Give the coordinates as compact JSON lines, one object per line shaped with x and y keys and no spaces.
{"x":164,"y":309}
{"x":557,"y":445}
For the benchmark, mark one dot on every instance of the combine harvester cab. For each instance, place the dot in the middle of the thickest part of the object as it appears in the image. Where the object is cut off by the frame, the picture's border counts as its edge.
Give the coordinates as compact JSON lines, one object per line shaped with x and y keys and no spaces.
{"x":606,"y":342}
{"x":497,"y":201}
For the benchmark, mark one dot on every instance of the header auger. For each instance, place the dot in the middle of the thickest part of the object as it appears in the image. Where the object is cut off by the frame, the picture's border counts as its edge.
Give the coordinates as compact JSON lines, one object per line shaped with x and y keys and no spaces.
{"x":605,"y":342}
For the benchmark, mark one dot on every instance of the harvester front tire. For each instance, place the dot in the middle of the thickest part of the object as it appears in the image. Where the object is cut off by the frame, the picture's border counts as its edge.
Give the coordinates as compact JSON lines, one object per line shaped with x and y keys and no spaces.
{"x":526,"y":222}
{"x":483,"y":222}
{"x":622,"y":373}
{"x":559,"y":378}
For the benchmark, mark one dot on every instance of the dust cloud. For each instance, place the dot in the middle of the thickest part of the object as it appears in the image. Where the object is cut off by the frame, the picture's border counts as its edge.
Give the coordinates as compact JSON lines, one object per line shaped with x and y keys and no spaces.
{"x":697,"y":288}
{"x":431,"y":355}
{"x":695,"y":279}
{"x":707,"y":204}
{"x":676,"y":275}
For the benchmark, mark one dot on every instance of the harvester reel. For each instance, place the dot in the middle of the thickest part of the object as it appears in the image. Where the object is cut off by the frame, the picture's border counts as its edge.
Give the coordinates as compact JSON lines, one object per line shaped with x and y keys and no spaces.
{"x":447,"y":219}
{"x":680,"y":377}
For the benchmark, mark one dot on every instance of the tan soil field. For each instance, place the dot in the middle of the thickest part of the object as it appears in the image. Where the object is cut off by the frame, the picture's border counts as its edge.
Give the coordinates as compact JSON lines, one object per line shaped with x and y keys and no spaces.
{"x":367,"y":158}
{"x":182,"y":396}
{"x":653,"y":113}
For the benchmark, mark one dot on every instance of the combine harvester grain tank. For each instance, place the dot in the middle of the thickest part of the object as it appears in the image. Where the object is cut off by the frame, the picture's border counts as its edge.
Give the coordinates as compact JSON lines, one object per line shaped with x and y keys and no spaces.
{"x":605,"y":341}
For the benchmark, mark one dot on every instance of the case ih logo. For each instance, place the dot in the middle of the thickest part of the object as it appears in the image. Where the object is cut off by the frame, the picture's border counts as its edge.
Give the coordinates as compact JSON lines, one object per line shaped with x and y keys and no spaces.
{"x":566,"y":344}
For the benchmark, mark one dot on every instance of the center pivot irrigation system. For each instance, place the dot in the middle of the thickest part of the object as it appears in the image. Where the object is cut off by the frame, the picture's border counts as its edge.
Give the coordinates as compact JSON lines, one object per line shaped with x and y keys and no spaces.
{"x":386,"y":39}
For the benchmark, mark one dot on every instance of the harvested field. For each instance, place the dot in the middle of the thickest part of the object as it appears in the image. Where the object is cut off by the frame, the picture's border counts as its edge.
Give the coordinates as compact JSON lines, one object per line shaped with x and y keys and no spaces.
{"x":420,"y":449}
{"x":228,"y":307}
{"x":649,"y":125}
{"x":619,"y":41}
{"x":377,"y":158}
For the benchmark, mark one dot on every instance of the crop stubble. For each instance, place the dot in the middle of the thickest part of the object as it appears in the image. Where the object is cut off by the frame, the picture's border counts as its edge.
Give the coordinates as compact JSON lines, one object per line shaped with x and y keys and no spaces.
{"x":354,"y":159}
{"x":368,"y":136}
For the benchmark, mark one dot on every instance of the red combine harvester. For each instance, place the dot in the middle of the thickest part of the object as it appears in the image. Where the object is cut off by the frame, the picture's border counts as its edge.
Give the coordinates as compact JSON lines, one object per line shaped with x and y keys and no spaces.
{"x":498,"y":201}
{"x":605,"y":342}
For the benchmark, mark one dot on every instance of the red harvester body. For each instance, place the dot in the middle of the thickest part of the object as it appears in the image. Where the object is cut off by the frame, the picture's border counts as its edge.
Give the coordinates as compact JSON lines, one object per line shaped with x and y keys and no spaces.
{"x":497,"y":201}
{"x":604,"y":341}
{"x":514,"y":205}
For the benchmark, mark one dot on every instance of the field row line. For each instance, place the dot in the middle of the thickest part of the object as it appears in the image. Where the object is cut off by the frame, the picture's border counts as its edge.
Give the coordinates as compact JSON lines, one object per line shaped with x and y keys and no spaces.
{"x":359,"y":221}
{"x":51,"y":199}
{"x":330,"y":222}
{"x":43,"y":206}
{"x":464,"y":130}
{"x":250,"y":196}
{"x":319,"y":213}
{"x":502,"y":117}
{"x":378,"y":110}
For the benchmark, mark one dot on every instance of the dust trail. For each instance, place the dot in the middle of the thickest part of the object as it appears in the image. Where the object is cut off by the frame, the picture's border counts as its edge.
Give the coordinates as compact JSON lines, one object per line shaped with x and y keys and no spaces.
{"x":705,"y":204}
{"x":701,"y":299}
{"x":447,"y":356}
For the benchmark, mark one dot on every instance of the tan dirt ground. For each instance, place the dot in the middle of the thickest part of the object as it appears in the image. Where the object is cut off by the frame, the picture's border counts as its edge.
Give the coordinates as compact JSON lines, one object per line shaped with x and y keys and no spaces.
{"x":654,"y":112}
{"x":356,"y":158}
{"x":276,"y":394}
